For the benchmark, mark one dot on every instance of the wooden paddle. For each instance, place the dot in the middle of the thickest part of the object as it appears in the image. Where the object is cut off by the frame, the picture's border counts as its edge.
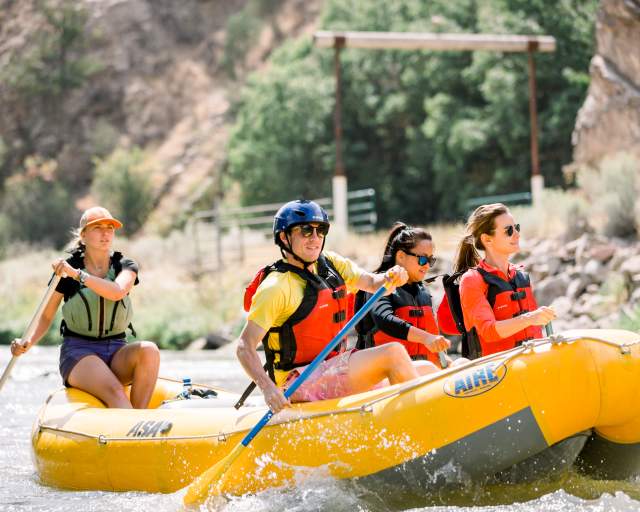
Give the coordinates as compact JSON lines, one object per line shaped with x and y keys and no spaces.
{"x":55,"y":279}
{"x":205,"y":484}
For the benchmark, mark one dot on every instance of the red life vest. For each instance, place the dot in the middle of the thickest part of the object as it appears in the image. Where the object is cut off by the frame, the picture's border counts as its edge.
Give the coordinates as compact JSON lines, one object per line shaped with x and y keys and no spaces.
{"x":320,"y":316}
{"x":417,"y":310}
{"x":509,"y":299}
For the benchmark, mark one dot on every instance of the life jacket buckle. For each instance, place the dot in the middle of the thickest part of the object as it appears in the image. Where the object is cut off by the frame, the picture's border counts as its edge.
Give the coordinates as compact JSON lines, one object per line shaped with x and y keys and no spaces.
{"x":340,"y":316}
{"x":339,"y":294}
{"x":416,"y":313}
{"x":519,"y":295}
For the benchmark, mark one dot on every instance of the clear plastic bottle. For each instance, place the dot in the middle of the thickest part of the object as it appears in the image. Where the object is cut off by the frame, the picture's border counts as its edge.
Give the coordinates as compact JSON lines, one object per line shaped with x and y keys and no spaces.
{"x":186,"y":388}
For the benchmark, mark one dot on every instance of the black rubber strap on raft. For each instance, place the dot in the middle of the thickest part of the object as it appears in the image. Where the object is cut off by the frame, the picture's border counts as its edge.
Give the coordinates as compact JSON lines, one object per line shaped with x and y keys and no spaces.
{"x":248,"y":390}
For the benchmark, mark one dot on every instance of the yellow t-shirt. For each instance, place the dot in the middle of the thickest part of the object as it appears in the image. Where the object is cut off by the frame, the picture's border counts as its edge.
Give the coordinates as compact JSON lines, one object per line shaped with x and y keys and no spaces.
{"x":280,"y":295}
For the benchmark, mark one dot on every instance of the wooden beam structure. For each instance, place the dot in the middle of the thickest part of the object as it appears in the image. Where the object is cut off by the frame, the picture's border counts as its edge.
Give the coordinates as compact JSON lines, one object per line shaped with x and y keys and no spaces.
{"x":434,"y":41}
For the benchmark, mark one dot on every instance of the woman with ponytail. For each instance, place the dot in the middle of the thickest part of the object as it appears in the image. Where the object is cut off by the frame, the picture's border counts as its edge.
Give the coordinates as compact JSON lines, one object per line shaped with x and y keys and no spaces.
{"x":498,"y":305}
{"x":406,"y":316}
{"x":96,"y":281}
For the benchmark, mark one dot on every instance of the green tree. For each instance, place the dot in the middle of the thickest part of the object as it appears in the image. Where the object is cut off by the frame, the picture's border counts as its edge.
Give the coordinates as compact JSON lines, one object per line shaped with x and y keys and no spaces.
{"x":281,"y":140}
{"x":124,"y":187}
{"x":36,"y":207}
{"x":426,"y":129}
{"x":52,"y":62}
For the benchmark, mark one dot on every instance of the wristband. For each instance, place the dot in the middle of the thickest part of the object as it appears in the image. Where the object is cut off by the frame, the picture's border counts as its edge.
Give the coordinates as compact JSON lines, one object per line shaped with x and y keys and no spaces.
{"x":82,"y":276}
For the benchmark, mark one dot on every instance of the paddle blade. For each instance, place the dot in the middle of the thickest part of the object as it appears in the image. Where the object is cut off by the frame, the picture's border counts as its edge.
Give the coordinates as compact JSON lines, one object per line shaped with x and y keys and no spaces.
{"x":207,"y":483}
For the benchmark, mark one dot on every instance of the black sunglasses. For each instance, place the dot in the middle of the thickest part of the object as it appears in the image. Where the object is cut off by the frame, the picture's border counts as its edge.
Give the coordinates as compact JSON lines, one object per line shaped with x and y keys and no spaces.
{"x":307,"y":230}
{"x":509,"y":229}
{"x":422,"y":259}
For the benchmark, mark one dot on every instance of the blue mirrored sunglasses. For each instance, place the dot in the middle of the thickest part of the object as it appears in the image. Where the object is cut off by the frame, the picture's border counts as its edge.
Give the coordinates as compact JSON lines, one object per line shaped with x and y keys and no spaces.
{"x":423,"y":259}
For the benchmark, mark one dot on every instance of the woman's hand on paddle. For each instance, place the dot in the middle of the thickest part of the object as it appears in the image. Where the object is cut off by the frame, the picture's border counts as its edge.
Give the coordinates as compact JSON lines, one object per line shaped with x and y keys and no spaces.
{"x":62,"y":268}
{"x":436,"y":343}
{"x":275,"y":399}
{"x":19,"y":346}
{"x":541,"y":316}
{"x":394,"y":277}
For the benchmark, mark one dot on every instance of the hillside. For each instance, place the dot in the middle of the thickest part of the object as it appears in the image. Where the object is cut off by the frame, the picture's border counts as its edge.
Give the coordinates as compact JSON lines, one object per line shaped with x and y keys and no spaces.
{"x":82,"y":78}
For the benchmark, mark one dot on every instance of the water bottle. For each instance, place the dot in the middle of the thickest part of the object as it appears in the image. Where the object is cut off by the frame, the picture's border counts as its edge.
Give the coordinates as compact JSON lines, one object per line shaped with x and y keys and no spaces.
{"x":186,"y":388}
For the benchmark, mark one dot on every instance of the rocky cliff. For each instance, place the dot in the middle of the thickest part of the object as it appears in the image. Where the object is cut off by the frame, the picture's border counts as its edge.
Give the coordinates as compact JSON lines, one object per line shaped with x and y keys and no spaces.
{"x":158,"y":81}
{"x":609,"y":120}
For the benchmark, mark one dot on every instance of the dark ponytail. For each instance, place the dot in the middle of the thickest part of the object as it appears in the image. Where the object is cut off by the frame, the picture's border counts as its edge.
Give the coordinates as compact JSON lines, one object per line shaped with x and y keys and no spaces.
{"x":401,"y":238}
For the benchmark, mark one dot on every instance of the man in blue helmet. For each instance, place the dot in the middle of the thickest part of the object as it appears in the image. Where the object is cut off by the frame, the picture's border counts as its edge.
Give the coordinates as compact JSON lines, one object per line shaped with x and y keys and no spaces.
{"x":296,"y":305}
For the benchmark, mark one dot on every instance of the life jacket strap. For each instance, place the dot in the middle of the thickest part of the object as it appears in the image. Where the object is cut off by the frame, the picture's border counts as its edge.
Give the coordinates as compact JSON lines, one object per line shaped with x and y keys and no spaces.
{"x":66,"y":332}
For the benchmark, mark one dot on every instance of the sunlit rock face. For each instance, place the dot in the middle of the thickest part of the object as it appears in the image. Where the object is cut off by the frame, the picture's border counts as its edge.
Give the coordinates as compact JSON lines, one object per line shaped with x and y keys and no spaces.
{"x":609,"y":120}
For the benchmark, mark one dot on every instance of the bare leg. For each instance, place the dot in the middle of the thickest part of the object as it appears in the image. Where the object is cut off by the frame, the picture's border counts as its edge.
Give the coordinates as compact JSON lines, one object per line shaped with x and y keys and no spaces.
{"x":422,"y":367}
{"x":92,"y":375}
{"x":425,"y":367}
{"x":138,"y":364}
{"x":368,"y":367}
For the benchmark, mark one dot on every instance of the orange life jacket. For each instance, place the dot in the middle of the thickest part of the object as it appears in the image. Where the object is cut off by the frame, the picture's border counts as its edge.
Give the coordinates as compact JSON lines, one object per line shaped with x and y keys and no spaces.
{"x":509,"y":299}
{"x":320,"y":316}
{"x":417,"y":310}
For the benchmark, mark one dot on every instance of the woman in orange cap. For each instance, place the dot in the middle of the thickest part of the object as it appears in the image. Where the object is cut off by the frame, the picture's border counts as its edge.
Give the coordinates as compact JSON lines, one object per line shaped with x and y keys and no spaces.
{"x":95,"y":286}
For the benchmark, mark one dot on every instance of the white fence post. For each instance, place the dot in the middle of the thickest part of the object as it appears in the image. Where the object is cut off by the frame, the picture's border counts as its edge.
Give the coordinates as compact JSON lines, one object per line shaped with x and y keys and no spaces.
{"x":340,"y":208}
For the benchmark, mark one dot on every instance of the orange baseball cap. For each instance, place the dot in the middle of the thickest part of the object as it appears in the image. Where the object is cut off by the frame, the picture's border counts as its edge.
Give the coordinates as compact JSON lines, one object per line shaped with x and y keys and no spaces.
{"x":97,"y":215}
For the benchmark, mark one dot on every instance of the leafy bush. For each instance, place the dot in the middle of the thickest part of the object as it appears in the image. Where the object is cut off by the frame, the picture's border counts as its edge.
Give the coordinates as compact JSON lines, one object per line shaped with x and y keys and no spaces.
{"x":242,"y":31}
{"x":51,"y":63}
{"x":103,"y":138}
{"x":124,"y":187}
{"x":612,"y":190}
{"x":37,"y":208}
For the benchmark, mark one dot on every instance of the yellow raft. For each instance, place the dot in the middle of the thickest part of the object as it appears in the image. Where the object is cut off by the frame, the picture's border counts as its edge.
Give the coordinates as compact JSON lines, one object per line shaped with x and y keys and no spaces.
{"x":573,"y":398}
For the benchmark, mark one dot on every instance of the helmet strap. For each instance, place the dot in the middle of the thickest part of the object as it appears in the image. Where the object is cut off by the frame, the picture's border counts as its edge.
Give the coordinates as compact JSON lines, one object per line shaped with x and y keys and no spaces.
{"x":284,"y":249}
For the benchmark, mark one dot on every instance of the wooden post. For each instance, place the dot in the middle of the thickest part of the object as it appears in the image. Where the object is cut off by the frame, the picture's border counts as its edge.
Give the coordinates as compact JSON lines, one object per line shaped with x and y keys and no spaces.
{"x":339,"y":183}
{"x":537,"y":180}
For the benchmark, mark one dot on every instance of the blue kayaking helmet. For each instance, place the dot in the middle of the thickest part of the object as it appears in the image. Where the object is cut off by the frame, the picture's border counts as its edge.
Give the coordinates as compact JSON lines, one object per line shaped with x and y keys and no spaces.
{"x":300,"y":211}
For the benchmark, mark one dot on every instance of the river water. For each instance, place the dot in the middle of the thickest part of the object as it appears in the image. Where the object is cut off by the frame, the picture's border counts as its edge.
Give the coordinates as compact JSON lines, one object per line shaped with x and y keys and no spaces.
{"x":36,"y":375}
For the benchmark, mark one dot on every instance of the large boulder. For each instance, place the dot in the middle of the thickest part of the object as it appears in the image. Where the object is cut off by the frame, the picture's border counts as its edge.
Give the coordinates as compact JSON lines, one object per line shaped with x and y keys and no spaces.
{"x":609,"y":120}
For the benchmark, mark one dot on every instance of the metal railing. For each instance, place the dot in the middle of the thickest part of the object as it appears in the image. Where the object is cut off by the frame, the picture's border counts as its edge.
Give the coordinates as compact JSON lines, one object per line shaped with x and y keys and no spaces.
{"x":508,"y":199}
{"x":241,"y":227}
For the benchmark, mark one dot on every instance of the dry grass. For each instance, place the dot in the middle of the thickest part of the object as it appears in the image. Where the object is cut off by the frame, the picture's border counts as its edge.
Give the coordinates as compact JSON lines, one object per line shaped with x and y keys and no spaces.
{"x":177,"y":300}
{"x":180,"y":298}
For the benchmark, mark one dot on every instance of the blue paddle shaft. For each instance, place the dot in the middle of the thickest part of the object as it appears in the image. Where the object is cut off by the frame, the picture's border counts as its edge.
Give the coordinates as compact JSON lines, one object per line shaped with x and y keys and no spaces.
{"x":318,"y":359}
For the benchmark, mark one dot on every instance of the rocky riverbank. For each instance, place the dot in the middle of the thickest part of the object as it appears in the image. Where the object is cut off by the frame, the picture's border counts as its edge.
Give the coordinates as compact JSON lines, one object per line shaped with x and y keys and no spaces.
{"x":591,"y":281}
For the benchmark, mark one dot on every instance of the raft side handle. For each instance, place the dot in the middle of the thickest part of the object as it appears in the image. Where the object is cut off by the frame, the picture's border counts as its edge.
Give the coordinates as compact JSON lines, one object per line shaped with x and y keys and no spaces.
{"x":222,"y":437}
{"x":102,"y":439}
{"x":366,"y":408}
{"x":625,"y":349}
{"x":557,"y":339}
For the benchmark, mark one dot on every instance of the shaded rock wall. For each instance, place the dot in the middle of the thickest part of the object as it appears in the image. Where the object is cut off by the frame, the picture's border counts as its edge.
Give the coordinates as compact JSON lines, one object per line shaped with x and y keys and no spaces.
{"x":609,"y":120}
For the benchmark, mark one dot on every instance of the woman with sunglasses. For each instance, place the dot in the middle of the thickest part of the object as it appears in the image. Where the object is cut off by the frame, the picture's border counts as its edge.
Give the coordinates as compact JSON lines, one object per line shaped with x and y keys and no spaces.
{"x":298,"y":304}
{"x":498,"y":305}
{"x":406,"y":316}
